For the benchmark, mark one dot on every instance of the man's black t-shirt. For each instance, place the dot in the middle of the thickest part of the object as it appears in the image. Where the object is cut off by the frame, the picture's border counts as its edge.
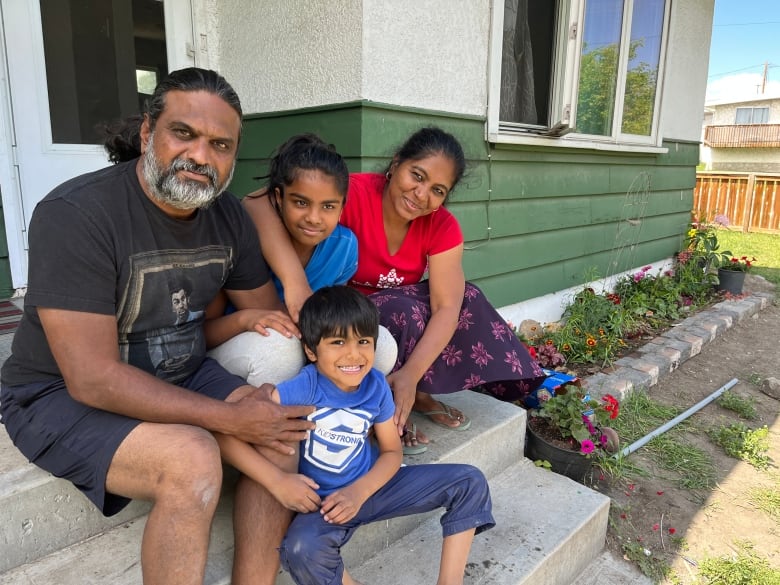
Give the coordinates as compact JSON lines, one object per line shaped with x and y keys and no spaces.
{"x":99,"y":245}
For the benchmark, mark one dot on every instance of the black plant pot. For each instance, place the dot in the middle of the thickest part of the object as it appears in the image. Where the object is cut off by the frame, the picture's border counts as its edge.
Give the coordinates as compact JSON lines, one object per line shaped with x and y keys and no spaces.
{"x":572,"y":464}
{"x":731,"y":281}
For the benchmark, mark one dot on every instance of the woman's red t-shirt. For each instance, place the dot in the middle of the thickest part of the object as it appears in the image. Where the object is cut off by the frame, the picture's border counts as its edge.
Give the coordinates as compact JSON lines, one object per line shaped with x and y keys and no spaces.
{"x":377,"y":268}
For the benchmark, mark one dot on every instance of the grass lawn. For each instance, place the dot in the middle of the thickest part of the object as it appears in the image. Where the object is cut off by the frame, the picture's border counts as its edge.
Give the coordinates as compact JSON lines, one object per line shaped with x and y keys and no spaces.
{"x":765,"y":247}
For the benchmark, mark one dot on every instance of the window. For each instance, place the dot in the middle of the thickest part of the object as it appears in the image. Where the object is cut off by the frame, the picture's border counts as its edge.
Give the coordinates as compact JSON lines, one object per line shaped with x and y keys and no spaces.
{"x":579,"y":70}
{"x":752,"y":115}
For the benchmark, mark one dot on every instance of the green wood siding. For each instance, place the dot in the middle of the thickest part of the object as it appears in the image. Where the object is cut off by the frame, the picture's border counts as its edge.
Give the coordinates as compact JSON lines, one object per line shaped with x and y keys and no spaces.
{"x":536,"y":219}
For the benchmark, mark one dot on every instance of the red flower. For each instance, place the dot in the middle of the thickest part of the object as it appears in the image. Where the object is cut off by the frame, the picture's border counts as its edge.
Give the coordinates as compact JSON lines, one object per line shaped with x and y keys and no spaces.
{"x":612,"y":406}
{"x":672,"y":531}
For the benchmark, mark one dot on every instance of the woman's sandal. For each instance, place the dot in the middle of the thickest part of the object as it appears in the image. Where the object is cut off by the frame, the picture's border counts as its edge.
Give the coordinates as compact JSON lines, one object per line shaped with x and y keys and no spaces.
{"x":446,"y":410}
{"x":412,"y":449}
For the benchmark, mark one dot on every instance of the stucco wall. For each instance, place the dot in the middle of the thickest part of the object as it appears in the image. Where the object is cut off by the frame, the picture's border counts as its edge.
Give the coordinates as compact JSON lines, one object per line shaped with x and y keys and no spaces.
{"x":430,"y":54}
{"x":282,"y":55}
{"x":687,"y":58}
{"x":726,"y":114}
{"x":754,"y":160}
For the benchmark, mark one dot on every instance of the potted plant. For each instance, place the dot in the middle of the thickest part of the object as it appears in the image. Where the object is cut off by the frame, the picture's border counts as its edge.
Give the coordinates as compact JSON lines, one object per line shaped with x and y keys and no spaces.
{"x":570,"y":429}
{"x":701,"y":242}
{"x":731,"y":274}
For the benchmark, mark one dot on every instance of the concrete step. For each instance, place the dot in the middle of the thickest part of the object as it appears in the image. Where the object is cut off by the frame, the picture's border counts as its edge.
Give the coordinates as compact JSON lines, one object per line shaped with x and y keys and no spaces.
{"x":548,"y":531}
{"x":40,"y":514}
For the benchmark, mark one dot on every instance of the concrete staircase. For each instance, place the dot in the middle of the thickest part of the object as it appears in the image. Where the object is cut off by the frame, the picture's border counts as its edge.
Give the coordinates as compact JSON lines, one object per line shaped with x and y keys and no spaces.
{"x":549,"y":528}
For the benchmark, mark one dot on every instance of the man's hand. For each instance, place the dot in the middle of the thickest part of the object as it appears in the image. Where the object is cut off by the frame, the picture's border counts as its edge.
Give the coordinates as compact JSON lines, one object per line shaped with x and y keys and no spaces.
{"x":261,"y":421}
{"x":342,"y":505}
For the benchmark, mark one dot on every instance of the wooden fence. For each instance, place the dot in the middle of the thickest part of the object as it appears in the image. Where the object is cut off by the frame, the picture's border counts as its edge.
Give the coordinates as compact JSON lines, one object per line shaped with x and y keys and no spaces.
{"x":751,"y":201}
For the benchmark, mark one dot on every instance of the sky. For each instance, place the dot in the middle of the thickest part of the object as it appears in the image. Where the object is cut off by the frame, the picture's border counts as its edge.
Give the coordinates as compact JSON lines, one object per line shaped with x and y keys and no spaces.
{"x":745,"y":35}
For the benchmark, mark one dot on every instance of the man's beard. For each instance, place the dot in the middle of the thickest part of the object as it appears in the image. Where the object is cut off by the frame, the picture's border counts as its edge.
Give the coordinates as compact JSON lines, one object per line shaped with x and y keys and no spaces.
{"x":166,"y":187}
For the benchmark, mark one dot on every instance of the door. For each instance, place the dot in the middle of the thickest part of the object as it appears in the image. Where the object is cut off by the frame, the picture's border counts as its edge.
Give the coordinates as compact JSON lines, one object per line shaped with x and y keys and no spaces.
{"x":72,"y":66}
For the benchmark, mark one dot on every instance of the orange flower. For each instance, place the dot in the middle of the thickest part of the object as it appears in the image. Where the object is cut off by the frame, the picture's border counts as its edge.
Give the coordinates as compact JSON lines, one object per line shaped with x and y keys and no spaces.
{"x":591,"y":342}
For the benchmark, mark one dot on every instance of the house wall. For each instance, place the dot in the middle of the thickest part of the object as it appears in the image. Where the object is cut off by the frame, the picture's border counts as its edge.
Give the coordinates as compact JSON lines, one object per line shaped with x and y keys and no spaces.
{"x":752,"y":160}
{"x":685,"y":83}
{"x":726,"y":114}
{"x":536,"y":220}
{"x":755,"y":160}
{"x":282,"y":55}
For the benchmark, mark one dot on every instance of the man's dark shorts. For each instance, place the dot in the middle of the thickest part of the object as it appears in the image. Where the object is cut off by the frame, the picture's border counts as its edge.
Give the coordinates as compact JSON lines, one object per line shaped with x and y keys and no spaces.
{"x":77,"y":442}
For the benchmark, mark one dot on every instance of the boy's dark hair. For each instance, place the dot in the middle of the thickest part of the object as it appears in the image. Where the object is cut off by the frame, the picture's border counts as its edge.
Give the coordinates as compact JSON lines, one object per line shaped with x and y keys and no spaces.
{"x":336,"y":311}
{"x":122,"y":139}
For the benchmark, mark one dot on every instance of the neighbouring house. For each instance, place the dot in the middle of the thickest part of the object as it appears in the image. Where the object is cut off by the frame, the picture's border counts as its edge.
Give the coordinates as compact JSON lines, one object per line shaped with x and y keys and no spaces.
{"x":742,"y":135}
{"x":581,"y":119}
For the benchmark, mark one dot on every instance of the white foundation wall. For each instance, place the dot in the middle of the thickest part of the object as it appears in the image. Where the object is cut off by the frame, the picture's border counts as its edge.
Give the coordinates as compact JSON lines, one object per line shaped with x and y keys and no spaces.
{"x":687,"y":58}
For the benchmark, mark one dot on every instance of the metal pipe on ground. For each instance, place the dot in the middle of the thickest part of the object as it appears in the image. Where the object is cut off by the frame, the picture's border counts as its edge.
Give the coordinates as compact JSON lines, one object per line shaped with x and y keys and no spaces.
{"x":676,"y":420}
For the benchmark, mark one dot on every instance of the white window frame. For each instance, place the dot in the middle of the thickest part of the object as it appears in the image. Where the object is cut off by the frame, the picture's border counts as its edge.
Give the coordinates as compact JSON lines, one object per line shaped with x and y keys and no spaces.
{"x":566,"y":63}
{"x":752,"y":114}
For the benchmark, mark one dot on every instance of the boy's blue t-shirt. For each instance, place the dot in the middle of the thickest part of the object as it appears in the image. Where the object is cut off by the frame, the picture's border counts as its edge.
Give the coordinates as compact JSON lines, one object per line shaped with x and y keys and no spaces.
{"x":338,"y":451}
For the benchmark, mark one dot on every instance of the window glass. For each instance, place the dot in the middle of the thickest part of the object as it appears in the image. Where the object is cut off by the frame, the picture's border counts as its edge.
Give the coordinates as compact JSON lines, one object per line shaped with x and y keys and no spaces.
{"x":93,"y":49}
{"x":599,"y":66}
{"x":752,"y":116}
{"x":644,"y":58}
{"x":581,"y":70}
{"x":527,"y":61}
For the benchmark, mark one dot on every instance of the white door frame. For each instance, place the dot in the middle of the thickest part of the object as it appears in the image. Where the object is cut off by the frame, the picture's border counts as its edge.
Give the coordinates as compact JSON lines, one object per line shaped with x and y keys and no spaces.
{"x":181,"y":52}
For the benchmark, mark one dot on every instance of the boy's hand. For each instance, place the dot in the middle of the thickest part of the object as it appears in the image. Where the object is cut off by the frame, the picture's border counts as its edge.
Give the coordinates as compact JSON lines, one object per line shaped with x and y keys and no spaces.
{"x":296,"y":492}
{"x":342,"y":505}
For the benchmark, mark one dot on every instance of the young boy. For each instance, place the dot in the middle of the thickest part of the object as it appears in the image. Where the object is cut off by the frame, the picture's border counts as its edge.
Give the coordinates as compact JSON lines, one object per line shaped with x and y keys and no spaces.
{"x":359,"y":481}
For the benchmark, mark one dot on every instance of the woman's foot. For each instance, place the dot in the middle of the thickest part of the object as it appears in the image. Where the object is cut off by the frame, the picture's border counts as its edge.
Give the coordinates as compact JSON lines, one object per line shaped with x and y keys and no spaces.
{"x":440,"y":413}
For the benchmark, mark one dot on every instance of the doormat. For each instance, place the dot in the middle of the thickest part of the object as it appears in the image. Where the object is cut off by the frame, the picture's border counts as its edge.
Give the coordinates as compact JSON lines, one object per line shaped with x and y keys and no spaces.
{"x":9,"y":317}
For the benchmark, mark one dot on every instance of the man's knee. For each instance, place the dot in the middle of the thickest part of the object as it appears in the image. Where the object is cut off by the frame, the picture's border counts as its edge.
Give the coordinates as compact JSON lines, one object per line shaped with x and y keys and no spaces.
{"x":173,"y":464}
{"x":197,"y":472}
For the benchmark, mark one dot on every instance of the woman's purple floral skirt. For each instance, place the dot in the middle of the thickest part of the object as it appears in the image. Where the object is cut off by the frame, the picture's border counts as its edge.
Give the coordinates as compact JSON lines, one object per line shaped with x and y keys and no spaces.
{"x":483,"y":353}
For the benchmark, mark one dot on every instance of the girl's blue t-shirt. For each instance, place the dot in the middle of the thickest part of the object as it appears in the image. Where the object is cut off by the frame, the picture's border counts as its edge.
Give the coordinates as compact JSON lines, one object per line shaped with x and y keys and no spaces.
{"x":333,"y":262}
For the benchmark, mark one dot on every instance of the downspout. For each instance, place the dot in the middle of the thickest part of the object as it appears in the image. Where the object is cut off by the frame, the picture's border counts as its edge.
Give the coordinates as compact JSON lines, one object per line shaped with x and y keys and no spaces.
{"x":679,"y":418}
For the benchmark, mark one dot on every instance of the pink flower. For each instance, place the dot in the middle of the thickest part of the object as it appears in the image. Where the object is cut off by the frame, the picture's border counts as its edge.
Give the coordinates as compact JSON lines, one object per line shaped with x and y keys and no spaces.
{"x":587,"y":446}
{"x":656,"y":526}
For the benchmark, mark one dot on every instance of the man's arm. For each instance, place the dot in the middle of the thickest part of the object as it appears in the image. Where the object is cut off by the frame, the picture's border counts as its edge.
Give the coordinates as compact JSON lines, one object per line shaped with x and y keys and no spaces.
{"x":86,"y":348}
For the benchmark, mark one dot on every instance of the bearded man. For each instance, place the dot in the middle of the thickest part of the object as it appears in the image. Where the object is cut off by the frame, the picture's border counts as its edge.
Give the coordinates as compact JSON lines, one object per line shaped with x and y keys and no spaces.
{"x":81,"y":394}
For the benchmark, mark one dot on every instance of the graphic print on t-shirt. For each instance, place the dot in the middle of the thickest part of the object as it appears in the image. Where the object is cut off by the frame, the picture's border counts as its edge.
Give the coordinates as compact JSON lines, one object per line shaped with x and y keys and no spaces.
{"x":338,"y":439}
{"x":160,"y":316}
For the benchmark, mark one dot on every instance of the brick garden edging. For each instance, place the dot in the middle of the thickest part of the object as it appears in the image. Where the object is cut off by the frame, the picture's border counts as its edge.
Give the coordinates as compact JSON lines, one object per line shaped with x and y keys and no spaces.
{"x":664,"y":354}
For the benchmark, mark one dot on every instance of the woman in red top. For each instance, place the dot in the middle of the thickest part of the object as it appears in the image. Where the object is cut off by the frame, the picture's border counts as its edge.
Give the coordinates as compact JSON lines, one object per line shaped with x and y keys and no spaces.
{"x":449,"y":336}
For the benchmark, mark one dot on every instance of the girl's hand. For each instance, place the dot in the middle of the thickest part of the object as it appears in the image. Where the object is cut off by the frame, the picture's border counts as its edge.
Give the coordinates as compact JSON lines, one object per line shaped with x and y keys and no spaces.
{"x":261,"y":321}
{"x":342,"y":505}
